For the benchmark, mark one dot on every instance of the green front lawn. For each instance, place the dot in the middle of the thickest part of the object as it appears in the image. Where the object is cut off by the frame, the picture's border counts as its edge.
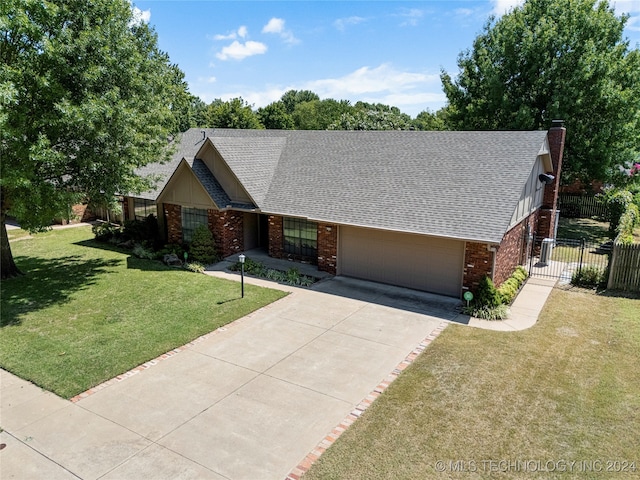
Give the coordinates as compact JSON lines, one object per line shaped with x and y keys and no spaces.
{"x":86,"y":312}
{"x":567,"y":390}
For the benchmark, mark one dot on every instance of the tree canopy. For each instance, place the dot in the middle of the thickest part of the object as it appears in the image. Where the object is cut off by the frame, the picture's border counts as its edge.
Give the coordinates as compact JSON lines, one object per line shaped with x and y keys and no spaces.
{"x":554,"y":59}
{"x":86,"y":97}
{"x":235,"y":113}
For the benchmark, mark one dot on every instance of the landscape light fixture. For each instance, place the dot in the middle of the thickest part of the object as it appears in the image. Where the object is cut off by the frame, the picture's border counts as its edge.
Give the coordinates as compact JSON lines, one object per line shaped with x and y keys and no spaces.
{"x":241,"y":258}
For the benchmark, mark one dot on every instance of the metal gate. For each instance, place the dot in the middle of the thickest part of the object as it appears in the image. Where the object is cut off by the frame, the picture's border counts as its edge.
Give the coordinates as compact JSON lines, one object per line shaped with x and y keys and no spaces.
{"x":562,"y":258}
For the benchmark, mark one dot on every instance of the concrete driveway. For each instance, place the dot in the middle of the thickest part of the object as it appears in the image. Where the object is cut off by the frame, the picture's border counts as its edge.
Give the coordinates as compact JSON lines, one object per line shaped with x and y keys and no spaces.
{"x":248,"y":401}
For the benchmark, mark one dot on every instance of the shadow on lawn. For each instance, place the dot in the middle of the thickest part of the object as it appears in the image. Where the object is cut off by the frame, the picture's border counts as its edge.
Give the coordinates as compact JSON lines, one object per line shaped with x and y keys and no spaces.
{"x":133,"y":262}
{"x":48,"y":281}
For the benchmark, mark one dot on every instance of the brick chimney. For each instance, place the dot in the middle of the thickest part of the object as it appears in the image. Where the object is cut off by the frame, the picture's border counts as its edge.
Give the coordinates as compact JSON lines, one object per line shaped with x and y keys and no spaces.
{"x":556,"y":137}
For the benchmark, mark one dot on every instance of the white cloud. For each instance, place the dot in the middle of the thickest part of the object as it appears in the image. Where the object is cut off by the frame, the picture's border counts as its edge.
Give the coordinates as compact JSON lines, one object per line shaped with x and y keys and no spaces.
{"x":342,"y":23}
{"x":633,"y":24}
{"x":501,"y":7}
{"x":411,"y":92}
{"x":464,"y":12}
{"x":412,"y":17}
{"x":240,"y":51}
{"x":140,"y":16}
{"x":626,"y":6}
{"x":383,"y":78}
{"x":276,"y":26}
{"x":241,"y":32}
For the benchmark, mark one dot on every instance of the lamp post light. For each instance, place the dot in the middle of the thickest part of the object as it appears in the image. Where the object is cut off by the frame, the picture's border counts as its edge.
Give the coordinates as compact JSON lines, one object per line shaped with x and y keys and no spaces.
{"x":241,"y":258}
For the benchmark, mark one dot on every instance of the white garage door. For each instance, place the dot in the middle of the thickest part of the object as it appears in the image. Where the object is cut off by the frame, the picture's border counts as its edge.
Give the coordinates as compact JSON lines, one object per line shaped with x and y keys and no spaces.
{"x":413,"y":261}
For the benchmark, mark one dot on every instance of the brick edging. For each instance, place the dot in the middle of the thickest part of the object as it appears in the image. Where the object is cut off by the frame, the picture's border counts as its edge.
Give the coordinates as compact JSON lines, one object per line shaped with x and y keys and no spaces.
{"x":164,"y":356}
{"x":332,"y":436}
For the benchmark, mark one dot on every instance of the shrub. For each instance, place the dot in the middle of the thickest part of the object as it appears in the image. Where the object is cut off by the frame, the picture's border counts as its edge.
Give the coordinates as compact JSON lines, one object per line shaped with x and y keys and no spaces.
{"x":141,"y":252}
{"x":143,"y":231}
{"x":487,"y":295}
{"x":174,"y":248}
{"x":589,"y":277}
{"x":194,"y":267}
{"x":202,"y":248}
{"x":629,"y":220}
{"x":499,"y":312}
{"x":104,"y":232}
{"x":259,"y":269}
{"x":509,"y":288}
{"x":616,"y":201}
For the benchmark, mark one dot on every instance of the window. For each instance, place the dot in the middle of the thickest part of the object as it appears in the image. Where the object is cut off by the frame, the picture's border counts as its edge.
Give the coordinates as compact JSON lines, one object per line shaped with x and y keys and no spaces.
{"x":143,"y":208}
{"x":191,"y":218}
{"x":300,"y":237}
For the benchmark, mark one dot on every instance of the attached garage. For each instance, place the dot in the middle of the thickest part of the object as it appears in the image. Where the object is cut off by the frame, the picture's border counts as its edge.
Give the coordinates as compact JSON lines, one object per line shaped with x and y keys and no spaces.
{"x":414,"y":261}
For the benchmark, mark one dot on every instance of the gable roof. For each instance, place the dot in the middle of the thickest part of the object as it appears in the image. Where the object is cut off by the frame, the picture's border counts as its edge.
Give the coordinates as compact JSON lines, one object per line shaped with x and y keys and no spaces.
{"x":463,"y":185}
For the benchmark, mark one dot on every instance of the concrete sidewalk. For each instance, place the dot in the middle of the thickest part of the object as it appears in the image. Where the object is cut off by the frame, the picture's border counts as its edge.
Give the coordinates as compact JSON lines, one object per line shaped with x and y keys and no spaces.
{"x":248,"y":401}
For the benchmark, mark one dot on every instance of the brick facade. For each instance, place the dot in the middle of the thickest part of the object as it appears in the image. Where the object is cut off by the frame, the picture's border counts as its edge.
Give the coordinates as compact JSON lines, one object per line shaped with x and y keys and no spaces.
{"x":546,"y":226}
{"x":327,"y":247}
{"x":173,"y":214}
{"x":513,"y":250}
{"x":276,"y":240}
{"x":228,"y":231}
{"x":478,"y":262}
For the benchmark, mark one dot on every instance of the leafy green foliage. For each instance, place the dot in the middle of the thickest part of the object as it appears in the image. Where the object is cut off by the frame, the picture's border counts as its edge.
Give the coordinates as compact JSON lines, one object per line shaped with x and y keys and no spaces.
{"x":291,"y":277}
{"x":144,"y":231}
{"x":194,"y":267}
{"x":292,"y":98}
{"x":487,"y":295}
{"x":202,"y":248}
{"x":510,"y":287}
{"x":499,"y":312}
{"x":106,"y":231}
{"x":141,"y":252}
{"x":235,"y":113}
{"x":589,"y":276}
{"x":274,"y":116}
{"x":554,"y":59}
{"x":617,"y":201}
{"x":85,"y":99}
{"x":629,"y":220}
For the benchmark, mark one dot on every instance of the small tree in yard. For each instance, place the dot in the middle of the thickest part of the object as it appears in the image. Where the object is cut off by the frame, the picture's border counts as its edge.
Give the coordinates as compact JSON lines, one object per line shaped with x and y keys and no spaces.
{"x":85,"y":99}
{"x":202,"y":248}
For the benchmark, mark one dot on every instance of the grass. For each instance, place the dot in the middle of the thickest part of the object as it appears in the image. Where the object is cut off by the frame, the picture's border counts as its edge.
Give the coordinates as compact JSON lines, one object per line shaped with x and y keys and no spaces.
{"x":565,"y":390}
{"x":592,"y":231}
{"x":17,"y":233}
{"x":86,"y":312}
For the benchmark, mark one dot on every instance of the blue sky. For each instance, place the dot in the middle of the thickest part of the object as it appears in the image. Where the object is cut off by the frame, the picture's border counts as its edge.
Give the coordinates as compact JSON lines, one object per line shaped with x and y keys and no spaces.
{"x":375,"y":51}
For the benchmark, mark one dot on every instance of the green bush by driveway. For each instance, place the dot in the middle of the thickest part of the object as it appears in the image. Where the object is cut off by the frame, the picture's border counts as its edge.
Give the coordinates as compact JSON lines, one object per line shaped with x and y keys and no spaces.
{"x":87,"y":312}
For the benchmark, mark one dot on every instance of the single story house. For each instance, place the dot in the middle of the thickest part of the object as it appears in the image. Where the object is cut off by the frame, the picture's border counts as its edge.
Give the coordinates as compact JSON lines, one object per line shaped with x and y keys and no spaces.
{"x":432,"y":211}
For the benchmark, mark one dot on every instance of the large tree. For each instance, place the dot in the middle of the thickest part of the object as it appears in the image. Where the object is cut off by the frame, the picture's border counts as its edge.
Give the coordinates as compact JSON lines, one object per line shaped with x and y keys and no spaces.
{"x":235,"y":113}
{"x":85,"y":99}
{"x":554,"y":59}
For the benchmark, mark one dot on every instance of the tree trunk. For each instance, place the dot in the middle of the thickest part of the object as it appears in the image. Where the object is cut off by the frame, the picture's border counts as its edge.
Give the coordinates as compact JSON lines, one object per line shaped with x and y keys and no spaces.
{"x":8,"y":267}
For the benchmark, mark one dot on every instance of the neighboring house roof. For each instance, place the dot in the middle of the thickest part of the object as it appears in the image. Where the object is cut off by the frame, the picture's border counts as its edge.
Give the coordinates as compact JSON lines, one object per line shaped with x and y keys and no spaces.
{"x":463,"y":185}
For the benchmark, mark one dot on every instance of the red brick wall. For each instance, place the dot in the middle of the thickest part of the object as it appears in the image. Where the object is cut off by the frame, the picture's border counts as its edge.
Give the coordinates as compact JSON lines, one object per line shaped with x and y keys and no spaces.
{"x":327,"y":247}
{"x":276,"y":240}
{"x":513,"y":249}
{"x":228,"y":231}
{"x":556,"y":137}
{"x":173,"y":214}
{"x":478,"y":262}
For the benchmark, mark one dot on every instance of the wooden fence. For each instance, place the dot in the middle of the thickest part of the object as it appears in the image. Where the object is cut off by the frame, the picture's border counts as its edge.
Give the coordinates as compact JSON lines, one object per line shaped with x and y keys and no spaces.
{"x":580,"y":206}
{"x":624,"y":269}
